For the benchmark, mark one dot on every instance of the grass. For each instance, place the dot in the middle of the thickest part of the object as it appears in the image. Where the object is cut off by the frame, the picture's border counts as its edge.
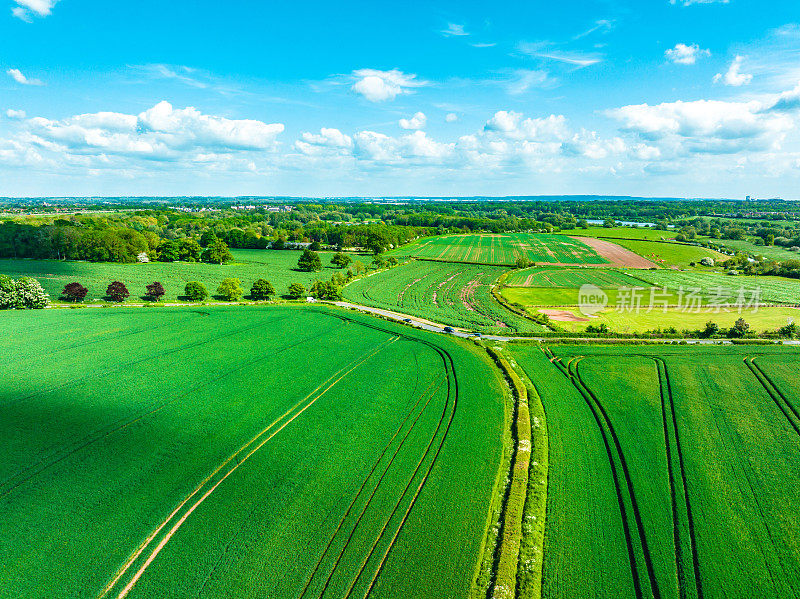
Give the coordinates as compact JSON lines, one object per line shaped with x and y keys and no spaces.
{"x":672,"y":470}
{"x":622,"y":233}
{"x":770,"y":252}
{"x":453,"y":294}
{"x":773,"y":289}
{"x":502,"y":250}
{"x":670,"y":255}
{"x":279,"y":267}
{"x":264,"y":428}
{"x":562,"y":296}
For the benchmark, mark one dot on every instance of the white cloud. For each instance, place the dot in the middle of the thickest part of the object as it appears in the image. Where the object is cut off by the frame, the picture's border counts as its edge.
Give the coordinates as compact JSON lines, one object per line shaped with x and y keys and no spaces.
{"x":451,"y":117}
{"x":379,"y":86}
{"x":789,"y":100}
{"x":417,"y":121}
{"x":690,"y":2}
{"x":521,"y":80}
{"x":17,"y":76}
{"x":26,"y":8}
{"x":685,"y":54}
{"x":733,"y":76}
{"x":705,"y":126}
{"x":454,"y":29}
{"x":574,"y":59}
{"x":328,"y":141}
{"x":15,"y":114}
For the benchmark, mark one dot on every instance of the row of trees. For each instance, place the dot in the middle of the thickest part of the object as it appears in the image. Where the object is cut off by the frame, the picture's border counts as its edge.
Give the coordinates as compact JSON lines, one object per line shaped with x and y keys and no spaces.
{"x":23,"y":294}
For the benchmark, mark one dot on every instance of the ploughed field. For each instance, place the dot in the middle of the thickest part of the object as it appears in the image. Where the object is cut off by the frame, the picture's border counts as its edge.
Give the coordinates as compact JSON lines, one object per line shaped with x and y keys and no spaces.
{"x":241,"y":452}
{"x":503,"y":249}
{"x":453,"y":294}
{"x":673,"y":472}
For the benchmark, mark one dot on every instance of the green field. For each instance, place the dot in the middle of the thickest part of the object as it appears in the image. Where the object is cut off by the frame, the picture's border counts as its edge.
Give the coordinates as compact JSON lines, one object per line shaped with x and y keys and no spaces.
{"x":669,"y":255}
{"x":452,"y":294}
{"x":673,"y":472}
{"x":773,"y":289}
{"x":503,"y":249}
{"x":622,"y":233}
{"x":565,"y":296}
{"x":278,"y":267}
{"x":770,"y":252}
{"x":241,"y":452}
{"x":572,"y":277}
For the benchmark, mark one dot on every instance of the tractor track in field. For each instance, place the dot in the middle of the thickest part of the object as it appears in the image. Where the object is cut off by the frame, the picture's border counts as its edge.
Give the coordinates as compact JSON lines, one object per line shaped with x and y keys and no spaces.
{"x":671,"y":419}
{"x":56,"y":457}
{"x":372,"y":495}
{"x":306,"y":403}
{"x":601,"y":417}
{"x":777,"y":396}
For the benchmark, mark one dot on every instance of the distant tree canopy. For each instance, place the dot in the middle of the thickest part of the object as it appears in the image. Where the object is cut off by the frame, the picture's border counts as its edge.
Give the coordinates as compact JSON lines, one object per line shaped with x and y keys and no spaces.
{"x":309,"y":261}
{"x":340,"y":260}
{"x":217,"y":253}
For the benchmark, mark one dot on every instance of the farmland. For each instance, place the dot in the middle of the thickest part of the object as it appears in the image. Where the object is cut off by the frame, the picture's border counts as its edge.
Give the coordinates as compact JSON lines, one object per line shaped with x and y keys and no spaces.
{"x":503,"y":249}
{"x":453,"y":294}
{"x":573,"y":277}
{"x":279,"y":267}
{"x":241,"y":451}
{"x":669,"y":255}
{"x":773,"y":289}
{"x":672,"y":472}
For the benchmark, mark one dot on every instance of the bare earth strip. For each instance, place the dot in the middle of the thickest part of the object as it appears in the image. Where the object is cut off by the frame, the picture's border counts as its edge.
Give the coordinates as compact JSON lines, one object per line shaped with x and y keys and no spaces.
{"x":615,"y":254}
{"x":563,"y":316}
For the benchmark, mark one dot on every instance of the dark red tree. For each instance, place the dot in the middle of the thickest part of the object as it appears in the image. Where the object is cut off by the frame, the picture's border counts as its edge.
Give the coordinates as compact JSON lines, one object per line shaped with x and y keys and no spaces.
{"x":155,"y":291}
{"x":117,"y":291}
{"x":74,"y":292}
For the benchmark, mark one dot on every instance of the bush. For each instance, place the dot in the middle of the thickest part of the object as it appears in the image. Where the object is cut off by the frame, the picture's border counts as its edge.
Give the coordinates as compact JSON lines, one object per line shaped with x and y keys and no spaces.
{"x":195,"y":291}
{"x":296,"y":290}
{"x":230,"y":289}
{"x":261,"y":290}
{"x":28,"y":294}
{"x":7,"y":292}
{"x":117,"y":291}
{"x":74,"y":292}
{"x":155,"y":291}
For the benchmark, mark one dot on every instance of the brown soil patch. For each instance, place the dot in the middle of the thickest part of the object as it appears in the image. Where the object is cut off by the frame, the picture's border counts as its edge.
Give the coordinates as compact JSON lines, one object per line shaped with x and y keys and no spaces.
{"x":563,"y":316}
{"x":615,"y":254}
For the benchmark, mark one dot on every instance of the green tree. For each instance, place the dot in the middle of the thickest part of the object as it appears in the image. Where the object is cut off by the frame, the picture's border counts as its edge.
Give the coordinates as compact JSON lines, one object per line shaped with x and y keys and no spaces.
{"x":7,"y":292}
{"x":315,"y":246}
{"x":358,"y":267}
{"x":189,"y":250}
{"x":712,"y":328}
{"x":261,"y":290}
{"x":309,"y":261}
{"x":217,"y":252}
{"x":168,"y":251}
{"x":523,"y":262}
{"x":739,"y":329}
{"x":341,"y":260}
{"x":28,"y":294}
{"x":230,"y":289}
{"x":326,"y":290}
{"x":195,"y":291}
{"x":296,"y":290}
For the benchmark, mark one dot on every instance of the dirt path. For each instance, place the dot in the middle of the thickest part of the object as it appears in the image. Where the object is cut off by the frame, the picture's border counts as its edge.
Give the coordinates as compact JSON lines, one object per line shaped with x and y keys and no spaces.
{"x":615,"y":254}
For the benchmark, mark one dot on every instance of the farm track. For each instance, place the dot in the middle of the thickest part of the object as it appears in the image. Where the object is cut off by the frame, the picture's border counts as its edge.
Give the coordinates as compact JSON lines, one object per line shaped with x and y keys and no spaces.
{"x":783,"y":404}
{"x":624,"y":492}
{"x":374,"y":491}
{"x":306,"y":403}
{"x":62,"y":454}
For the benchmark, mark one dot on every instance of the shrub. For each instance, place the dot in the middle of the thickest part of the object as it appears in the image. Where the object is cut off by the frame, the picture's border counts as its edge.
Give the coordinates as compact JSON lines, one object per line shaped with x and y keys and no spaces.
{"x":340,"y":260}
{"x":195,"y":291}
{"x":74,"y":292}
{"x":261,"y":290}
{"x":7,"y":292}
{"x":117,"y":291}
{"x":296,"y":290}
{"x":155,"y":291}
{"x":28,"y":294}
{"x":230,"y":289}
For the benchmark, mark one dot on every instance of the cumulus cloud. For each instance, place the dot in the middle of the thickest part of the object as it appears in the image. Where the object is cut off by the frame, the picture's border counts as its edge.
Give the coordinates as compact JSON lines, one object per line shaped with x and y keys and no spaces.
{"x":789,"y":100}
{"x":379,"y":86}
{"x":686,"y":54}
{"x":15,"y":114}
{"x":733,"y":76}
{"x":705,"y":126}
{"x":25,"y":9}
{"x":328,"y":141}
{"x":415,"y":122}
{"x":451,"y":117}
{"x":17,"y":76}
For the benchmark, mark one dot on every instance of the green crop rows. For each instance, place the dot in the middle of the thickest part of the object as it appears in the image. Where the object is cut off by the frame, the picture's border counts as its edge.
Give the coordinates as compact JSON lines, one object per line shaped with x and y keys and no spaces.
{"x":672,"y":473}
{"x":241,"y":451}
{"x":503,"y":249}
{"x":279,"y":267}
{"x":571,"y":278}
{"x":453,"y":294}
{"x":773,"y":289}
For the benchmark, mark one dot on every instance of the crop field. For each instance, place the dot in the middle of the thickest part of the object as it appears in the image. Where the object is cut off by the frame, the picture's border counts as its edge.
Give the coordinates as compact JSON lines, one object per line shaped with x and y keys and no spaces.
{"x":569,"y":296}
{"x":503,"y":249}
{"x":772,"y":289}
{"x":453,"y":294}
{"x":279,"y":267}
{"x":241,"y":452}
{"x":572,"y":277}
{"x":770,"y":252}
{"x":645,"y":233}
{"x":669,"y":255}
{"x":673,"y":472}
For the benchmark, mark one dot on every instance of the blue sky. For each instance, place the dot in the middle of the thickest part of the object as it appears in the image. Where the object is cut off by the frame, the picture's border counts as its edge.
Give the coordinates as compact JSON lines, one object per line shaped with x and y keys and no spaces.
{"x":685,"y":98}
